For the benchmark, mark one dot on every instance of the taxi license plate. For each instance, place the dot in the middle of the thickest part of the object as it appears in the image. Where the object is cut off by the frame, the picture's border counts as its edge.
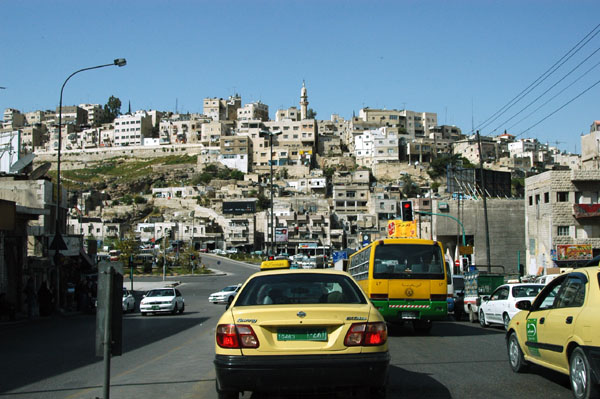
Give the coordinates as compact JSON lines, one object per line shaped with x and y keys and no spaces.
{"x":410,"y":315}
{"x":155,"y":307}
{"x":301,"y":334}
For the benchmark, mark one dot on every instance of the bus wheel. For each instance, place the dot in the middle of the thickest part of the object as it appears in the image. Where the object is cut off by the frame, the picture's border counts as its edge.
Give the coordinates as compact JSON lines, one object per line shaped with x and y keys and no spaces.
{"x":422,"y":326}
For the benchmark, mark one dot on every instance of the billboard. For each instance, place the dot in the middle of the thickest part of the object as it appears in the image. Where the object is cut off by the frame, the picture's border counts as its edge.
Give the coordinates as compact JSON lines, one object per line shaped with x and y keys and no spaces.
{"x":281,"y":234}
{"x":401,"y":229}
{"x":573,"y":252}
{"x":239,"y":207}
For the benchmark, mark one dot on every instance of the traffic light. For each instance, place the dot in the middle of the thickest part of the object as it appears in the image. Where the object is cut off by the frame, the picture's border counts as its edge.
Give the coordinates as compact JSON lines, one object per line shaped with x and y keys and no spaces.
{"x":407,"y":211}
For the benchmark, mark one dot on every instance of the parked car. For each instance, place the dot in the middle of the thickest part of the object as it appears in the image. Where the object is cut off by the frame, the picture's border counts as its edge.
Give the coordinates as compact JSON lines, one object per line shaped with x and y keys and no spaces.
{"x":232,"y":251}
{"x":162,"y":300}
{"x":303,"y":329}
{"x":546,"y":278}
{"x":226,"y":295}
{"x":128,"y":301}
{"x":559,"y":330}
{"x":500,"y":307}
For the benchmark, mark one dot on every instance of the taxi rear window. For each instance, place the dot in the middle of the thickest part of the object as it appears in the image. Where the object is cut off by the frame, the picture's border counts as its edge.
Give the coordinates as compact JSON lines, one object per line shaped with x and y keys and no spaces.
{"x":296,"y":288}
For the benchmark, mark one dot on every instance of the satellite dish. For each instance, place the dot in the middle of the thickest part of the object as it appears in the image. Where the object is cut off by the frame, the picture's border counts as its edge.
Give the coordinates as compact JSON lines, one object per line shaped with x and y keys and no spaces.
{"x":22,"y":163}
{"x":40,"y":171}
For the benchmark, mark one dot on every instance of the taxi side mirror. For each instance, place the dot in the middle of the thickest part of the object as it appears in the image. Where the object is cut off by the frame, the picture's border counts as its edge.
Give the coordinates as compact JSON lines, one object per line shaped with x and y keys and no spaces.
{"x":523,"y":305}
{"x":486,"y":298}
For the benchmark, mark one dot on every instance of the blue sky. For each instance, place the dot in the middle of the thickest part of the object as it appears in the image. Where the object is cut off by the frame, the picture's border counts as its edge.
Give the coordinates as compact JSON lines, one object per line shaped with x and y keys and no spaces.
{"x":463,"y":60}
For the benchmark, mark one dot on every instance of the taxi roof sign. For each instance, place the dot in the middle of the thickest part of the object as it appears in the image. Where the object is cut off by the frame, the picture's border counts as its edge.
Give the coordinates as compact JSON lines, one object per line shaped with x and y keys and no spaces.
{"x":275,"y":264}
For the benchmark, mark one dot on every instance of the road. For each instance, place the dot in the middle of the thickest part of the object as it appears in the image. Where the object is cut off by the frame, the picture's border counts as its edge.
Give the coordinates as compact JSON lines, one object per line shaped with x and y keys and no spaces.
{"x":171,"y":356}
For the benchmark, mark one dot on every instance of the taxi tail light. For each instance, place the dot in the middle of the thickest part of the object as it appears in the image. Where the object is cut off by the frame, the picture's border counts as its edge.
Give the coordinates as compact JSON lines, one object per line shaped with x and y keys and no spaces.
{"x":236,"y":336}
{"x":366,"y":334}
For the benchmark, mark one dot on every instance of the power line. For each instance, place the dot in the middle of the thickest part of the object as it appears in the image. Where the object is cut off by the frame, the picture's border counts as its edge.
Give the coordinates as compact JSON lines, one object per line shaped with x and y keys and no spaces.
{"x":556,"y":95}
{"x":547,"y":90}
{"x":540,"y":79}
{"x":558,"y":109}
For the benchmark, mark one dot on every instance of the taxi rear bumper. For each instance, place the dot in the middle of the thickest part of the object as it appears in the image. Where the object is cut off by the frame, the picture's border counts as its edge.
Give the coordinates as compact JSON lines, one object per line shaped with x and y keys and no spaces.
{"x":301,"y":373}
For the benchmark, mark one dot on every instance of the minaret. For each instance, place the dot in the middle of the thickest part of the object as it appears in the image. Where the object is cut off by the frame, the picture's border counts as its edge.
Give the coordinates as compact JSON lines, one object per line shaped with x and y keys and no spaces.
{"x":303,"y":102}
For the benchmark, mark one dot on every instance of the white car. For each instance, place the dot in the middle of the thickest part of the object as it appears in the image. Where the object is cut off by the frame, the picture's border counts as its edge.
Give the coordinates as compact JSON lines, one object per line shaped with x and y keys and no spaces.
{"x":500,"y":307}
{"x":128,"y":301}
{"x":162,"y":300}
{"x":226,"y":295}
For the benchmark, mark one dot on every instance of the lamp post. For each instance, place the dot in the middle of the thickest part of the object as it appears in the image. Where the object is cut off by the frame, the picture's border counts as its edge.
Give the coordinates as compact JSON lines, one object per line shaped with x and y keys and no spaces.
{"x":271,"y":134}
{"x":58,"y":243}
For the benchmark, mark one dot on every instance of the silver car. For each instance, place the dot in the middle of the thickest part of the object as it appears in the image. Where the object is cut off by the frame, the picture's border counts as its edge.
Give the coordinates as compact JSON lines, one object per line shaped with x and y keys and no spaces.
{"x":226,"y":295}
{"x":128,"y":301}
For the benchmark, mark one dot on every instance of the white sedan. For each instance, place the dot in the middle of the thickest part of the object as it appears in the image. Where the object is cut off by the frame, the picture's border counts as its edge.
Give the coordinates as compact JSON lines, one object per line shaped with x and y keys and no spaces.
{"x":162,"y":300}
{"x":128,"y":301}
{"x":226,"y":295}
{"x":500,"y":307}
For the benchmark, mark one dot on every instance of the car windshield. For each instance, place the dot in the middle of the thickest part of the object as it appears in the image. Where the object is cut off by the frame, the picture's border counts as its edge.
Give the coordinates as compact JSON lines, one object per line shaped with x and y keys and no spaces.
{"x":402,"y":261}
{"x":523,"y":291}
{"x":160,"y":293}
{"x":230,"y":288}
{"x":305,"y":288}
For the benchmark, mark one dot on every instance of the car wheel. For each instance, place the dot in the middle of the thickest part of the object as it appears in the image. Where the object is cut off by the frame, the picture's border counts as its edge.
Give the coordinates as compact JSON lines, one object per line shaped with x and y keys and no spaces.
{"x":515,"y":354}
{"x":580,"y":374}
{"x":227,"y":394}
{"x":482,"y":319}
{"x":506,"y":319}
{"x":182,"y":308}
{"x":174,"y":311}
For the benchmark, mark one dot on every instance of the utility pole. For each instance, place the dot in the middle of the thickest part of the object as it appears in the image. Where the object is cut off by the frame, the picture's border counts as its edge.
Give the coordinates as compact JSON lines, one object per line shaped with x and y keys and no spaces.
{"x":485,"y":213}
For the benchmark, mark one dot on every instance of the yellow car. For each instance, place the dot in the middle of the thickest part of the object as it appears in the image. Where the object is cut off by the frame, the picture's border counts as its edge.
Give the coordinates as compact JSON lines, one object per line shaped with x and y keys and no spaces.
{"x":301,"y":330}
{"x":560,"y":330}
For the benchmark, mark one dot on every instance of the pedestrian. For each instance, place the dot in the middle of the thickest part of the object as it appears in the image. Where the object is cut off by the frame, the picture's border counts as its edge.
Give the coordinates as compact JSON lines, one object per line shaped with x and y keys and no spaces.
{"x":45,"y":300}
{"x":30,"y":298}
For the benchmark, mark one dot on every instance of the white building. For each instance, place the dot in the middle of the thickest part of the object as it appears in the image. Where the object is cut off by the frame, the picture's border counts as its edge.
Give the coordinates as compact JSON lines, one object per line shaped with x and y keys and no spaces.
{"x":130,"y":130}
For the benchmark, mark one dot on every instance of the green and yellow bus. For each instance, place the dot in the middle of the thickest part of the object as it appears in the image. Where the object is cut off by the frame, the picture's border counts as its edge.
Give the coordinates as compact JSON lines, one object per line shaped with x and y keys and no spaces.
{"x":405,"y":278}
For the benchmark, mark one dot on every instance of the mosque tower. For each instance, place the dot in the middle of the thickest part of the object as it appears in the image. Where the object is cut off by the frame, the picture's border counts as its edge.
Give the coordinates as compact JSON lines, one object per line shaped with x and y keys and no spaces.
{"x":303,"y":102}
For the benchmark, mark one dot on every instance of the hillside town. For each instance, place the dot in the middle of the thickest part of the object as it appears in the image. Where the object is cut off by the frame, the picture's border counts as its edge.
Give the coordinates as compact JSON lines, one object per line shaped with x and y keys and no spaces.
{"x":296,"y":186}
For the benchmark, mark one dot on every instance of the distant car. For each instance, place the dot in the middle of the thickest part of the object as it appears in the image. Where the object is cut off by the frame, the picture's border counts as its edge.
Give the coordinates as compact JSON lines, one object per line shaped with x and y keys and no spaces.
{"x":546,"y":278}
{"x":162,"y":300}
{"x":226,"y":295}
{"x":500,"y":307}
{"x":232,"y":251}
{"x":301,"y":330}
{"x":203,"y":250}
{"x":128,"y":301}
{"x":559,"y":331}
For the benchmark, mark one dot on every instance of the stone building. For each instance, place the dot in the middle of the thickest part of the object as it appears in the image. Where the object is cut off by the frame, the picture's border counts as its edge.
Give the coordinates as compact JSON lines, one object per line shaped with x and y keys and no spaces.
{"x":562,"y":209}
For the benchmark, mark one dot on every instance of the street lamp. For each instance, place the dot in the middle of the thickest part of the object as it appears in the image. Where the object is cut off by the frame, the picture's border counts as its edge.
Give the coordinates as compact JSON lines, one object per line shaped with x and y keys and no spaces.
{"x":271,"y":134}
{"x":58,"y":243}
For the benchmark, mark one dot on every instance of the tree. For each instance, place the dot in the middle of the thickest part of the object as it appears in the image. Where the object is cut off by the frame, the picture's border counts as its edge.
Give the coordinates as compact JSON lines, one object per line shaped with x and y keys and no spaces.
{"x":410,"y":189}
{"x":112,"y":109}
{"x":311,"y":114}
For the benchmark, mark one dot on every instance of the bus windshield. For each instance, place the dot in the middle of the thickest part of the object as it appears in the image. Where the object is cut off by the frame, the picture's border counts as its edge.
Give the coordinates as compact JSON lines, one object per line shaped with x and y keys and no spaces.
{"x":406,"y":261}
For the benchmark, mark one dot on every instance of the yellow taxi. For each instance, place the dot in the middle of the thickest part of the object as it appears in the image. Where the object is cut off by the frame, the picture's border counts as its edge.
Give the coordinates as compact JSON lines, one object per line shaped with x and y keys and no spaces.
{"x":560,"y":330}
{"x":301,"y":330}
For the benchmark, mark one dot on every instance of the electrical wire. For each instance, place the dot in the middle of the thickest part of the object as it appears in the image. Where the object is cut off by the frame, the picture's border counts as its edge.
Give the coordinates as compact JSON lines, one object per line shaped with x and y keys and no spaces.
{"x":547,"y":90}
{"x":540,"y":79}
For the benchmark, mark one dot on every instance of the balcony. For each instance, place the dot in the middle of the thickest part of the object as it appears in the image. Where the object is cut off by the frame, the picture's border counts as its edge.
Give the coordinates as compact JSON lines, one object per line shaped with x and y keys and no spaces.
{"x":582,"y":211}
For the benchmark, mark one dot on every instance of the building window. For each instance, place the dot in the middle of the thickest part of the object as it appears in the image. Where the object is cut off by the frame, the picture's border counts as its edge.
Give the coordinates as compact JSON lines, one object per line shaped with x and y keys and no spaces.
{"x":546,"y":198}
{"x":562,"y":231}
{"x":530,"y":200}
{"x":537,"y":199}
{"x":562,"y":196}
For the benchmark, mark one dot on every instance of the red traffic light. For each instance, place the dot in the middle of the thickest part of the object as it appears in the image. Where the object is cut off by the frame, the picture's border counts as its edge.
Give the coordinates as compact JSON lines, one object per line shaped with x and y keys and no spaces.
{"x":407,"y":211}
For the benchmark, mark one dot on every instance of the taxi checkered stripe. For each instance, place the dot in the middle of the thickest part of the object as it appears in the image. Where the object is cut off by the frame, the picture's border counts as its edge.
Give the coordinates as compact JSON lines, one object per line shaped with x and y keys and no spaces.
{"x":410,"y":306}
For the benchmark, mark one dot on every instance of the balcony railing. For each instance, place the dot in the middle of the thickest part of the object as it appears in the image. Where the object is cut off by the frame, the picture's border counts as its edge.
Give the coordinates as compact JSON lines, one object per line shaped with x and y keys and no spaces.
{"x":581,"y":211}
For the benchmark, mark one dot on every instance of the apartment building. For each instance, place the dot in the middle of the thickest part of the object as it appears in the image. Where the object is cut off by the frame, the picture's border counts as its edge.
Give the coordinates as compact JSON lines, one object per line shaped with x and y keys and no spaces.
{"x":235,"y":152}
{"x":562,"y":218}
{"x":181,"y":128}
{"x":36,"y":117}
{"x":469,"y":148}
{"x":219,"y":109}
{"x":33,"y":137}
{"x":72,"y":115}
{"x":130,"y":130}
{"x":212,"y":131}
{"x":376,"y":146}
{"x":414,"y":124}
{"x":94,"y":113}
{"x":291,"y":113}
{"x":13,"y":119}
{"x":253,"y":111}
{"x":590,"y":147}
{"x":444,"y":137}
